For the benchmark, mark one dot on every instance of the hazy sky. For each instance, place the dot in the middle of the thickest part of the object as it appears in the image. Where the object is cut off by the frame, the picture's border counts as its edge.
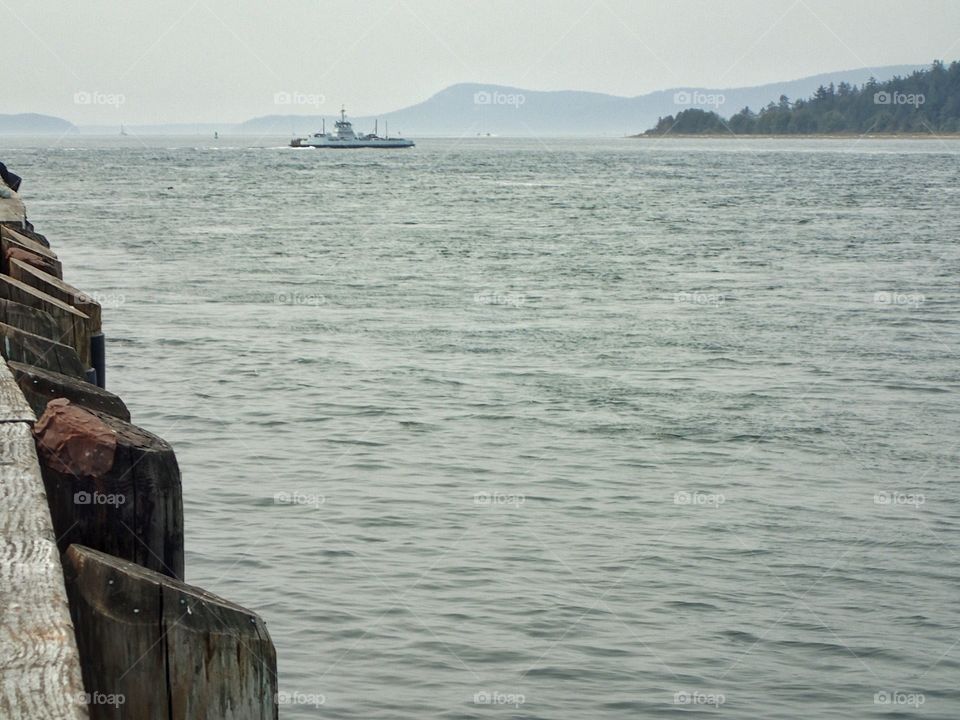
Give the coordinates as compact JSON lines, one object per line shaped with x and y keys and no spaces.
{"x":143,"y":61}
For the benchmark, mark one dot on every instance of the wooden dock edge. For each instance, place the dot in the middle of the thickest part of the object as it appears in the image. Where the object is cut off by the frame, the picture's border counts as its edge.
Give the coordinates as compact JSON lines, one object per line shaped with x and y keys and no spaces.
{"x":40,"y":674}
{"x":65,"y":440}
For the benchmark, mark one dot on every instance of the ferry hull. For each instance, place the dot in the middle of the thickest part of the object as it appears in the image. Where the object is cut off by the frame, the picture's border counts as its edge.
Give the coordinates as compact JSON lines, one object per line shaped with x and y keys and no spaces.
{"x":386,"y":145}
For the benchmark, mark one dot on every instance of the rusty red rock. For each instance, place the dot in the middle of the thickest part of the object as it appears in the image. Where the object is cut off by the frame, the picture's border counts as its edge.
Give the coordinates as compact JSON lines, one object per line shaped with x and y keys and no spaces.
{"x":72,"y":440}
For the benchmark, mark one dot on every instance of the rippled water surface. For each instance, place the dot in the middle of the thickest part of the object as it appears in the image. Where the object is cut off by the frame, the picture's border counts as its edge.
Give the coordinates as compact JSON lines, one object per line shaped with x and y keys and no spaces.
{"x":502,"y":428}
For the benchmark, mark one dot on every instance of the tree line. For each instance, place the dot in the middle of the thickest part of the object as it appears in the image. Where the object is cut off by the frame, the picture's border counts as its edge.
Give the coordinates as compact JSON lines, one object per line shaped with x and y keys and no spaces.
{"x":925,"y":101}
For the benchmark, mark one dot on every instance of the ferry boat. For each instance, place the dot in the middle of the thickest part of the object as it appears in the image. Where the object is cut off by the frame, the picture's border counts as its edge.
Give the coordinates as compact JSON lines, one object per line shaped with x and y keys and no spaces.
{"x":345,"y":138}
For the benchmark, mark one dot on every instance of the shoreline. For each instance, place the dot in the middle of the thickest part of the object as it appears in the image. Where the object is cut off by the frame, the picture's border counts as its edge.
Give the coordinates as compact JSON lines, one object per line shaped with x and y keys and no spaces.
{"x":814,"y":136}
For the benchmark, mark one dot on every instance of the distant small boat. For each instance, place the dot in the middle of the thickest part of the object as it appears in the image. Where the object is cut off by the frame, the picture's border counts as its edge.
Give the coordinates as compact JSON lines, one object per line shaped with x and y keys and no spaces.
{"x":346,"y":139}
{"x":216,"y":135}
{"x":122,"y":131}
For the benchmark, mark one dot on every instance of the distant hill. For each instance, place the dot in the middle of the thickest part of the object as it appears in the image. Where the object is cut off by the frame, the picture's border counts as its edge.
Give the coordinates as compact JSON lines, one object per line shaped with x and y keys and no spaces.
{"x":924,"y":101}
{"x":33,"y":124}
{"x":472,"y":108}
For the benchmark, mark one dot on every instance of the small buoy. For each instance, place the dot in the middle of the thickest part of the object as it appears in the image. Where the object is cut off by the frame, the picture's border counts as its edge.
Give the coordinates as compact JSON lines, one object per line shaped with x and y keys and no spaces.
{"x":136,"y":610}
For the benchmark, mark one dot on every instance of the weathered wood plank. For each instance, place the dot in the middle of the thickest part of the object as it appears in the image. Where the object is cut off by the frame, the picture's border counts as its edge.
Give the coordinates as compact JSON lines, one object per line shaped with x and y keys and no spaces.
{"x":12,"y":209}
{"x":25,"y":347}
{"x":168,"y":646}
{"x":13,"y":405}
{"x":41,"y":386}
{"x":75,"y":327}
{"x":111,"y":486}
{"x":11,"y":239}
{"x":39,"y":666}
{"x":55,"y":287}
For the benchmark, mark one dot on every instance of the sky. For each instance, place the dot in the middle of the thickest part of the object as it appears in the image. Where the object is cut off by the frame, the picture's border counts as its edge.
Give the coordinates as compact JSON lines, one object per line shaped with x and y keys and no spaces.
{"x":144,"y":61}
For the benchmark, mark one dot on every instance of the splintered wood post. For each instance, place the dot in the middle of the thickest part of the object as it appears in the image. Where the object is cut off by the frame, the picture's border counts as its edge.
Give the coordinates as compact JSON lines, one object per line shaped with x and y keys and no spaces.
{"x":111,"y":486}
{"x":16,"y":244}
{"x":39,"y":666}
{"x":75,"y":326}
{"x":25,"y":347}
{"x":165,"y":647}
{"x":55,"y":287}
{"x":41,"y":386}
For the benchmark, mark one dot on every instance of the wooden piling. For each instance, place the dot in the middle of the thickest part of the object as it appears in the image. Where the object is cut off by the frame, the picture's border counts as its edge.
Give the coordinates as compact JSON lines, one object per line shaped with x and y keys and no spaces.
{"x":76,"y":328}
{"x":55,"y":287}
{"x":41,"y":386}
{"x":111,"y":486}
{"x":29,"y":319}
{"x":30,"y":258}
{"x":15,"y":240}
{"x":25,"y":347}
{"x":29,"y":233}
{"x":165,"y":647}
